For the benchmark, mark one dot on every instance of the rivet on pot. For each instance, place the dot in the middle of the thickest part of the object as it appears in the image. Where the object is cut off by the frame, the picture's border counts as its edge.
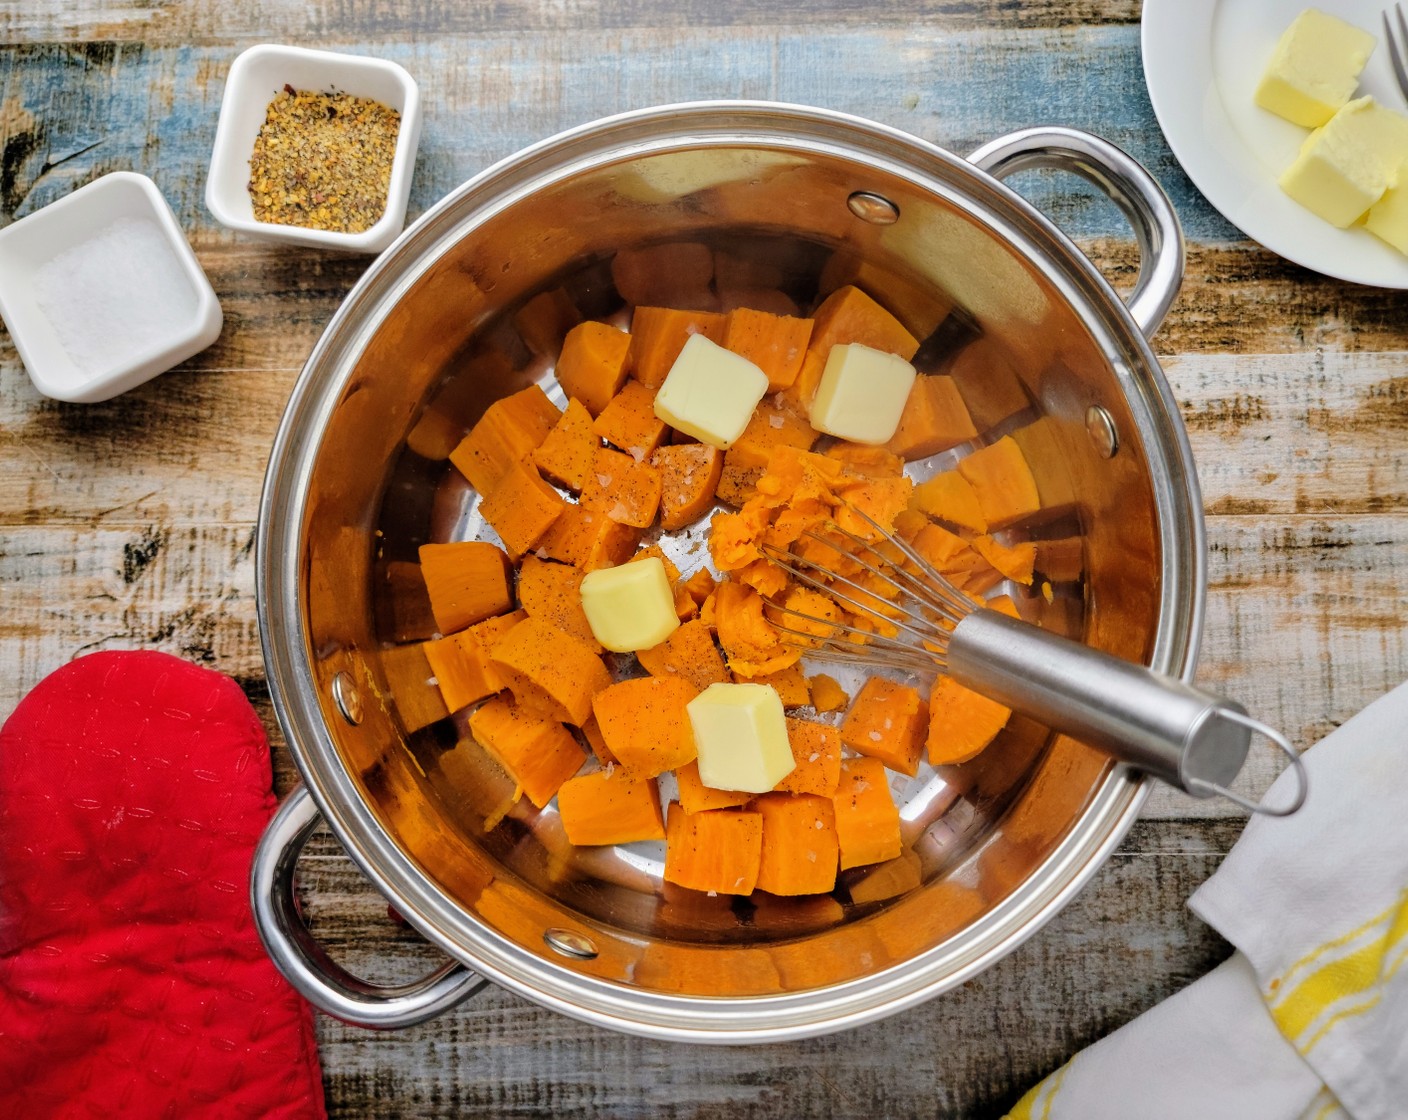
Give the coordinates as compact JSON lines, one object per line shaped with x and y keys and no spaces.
{"x":570,"y":943}
{"x":1101,"y":429}
{"x":873,"y":208}
{"x":347,"y":698}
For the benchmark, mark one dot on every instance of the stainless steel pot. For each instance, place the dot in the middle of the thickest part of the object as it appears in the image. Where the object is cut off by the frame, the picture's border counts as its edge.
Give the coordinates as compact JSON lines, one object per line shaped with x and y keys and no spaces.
{"x":795,"y":199}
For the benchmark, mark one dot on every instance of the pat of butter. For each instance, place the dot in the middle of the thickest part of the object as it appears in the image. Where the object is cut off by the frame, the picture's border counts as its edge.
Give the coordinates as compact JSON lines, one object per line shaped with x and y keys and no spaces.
{"x":861,"y":394}
{"x":741,"y":734}
{"x":710,"y":393}
{"x":1388,"y":218}
{"x":1314,"y":69}
{"x":1345,"y":166}
{"x":630,"y":607}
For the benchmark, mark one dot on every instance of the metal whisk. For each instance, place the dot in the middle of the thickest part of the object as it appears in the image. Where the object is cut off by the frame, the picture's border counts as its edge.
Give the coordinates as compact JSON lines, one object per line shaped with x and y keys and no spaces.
{"x":1194,"y":740}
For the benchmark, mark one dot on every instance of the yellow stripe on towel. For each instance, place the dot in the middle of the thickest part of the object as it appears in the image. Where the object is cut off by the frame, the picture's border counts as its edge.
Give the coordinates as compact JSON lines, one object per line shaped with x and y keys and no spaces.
{"x":1345,"y":986}
{"x":1042,"y":1094}
{"x":1282,"y":985}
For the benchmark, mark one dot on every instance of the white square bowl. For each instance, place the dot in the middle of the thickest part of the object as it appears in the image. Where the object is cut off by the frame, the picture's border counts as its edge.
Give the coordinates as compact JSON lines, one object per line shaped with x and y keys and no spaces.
{"x":29,"y":244}
{"x":260,"y":73}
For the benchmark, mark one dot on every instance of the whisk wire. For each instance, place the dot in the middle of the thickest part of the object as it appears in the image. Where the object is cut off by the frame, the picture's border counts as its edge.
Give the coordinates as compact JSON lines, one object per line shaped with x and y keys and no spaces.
{"x":940,"y":584}
{"x":868,"y":638}
{"x":829,"y":589}
{"x":907,"y":583}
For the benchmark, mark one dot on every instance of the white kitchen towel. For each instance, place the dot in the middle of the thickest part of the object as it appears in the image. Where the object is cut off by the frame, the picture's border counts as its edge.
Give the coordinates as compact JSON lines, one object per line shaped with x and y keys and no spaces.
{"x":1309,"y":1019}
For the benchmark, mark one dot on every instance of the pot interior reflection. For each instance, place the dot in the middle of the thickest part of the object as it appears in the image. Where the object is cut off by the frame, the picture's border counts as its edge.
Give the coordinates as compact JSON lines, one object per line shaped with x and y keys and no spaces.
{"x":710,"y":226}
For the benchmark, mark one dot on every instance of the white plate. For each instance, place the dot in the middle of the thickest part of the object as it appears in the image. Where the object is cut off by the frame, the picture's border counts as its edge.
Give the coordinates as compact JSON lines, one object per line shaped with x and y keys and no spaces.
{"x":1202,"y":62}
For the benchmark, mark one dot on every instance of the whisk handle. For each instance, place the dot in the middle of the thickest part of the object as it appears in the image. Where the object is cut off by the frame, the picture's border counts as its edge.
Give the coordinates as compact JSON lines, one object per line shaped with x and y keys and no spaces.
{"x":1189,"y":738}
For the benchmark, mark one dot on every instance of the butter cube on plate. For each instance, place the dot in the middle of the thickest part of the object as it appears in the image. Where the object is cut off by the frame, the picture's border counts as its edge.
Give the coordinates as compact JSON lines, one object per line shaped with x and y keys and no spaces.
{"x":1346,"y":166}
{"x":1314,"y":69}
{"x":710,"y":393}
{"x":741,"y":735}
{"x":1388,"y":218}
{"x":630,"y":607}
{"x":862,"y":393}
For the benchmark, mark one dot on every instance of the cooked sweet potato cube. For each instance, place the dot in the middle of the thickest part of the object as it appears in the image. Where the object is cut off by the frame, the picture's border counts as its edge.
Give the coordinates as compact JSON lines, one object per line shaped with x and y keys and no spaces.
{"x":686,"y":609}
{"x":1003,"y":483}
{"x":961,"y":722}
{"x":672,"y":573}
{"x":863,"y":459}
{"x":920,"y":307}
{"x":591,"y":731}
{"x":645,"y":724}
{"x":592,"y":365}
{"x":507,"y":433}
{"x":629,"y":421}
{"x":888,"y":721}
{"x":776,"y":344}
{"x":802,"y":391}
{"x":827,"y":693}
{"x":467,"y":581}
{"x":719,"y":850}
{"x":879,"y":499}
{"x":658,"y":334}
{"x":849,"y":315}
{"x":816,"y":748}
{"x":539,"y":754}
{"x":776,"y":425}
{"x":738,"y":478}
{"x":800,"y":850}
{"x":934,"y":419}
{"x":409,"y":677}
{"x":688,"y":653}
{"x":566,"y":455}
{"x":950,"y":497}
{"x":624,"y":489}
{"x":610,"y":807}
{"x":700,"y":585}
{"x":1003,"y":604}
{"x":549,"y":671}
{"x":689,"y":473}
{"x":772,"y":426}
{"x":544,"y":321}
{"x":791,"y":686}
{"x":463,"y":669}
{"x":588,"y":539}
{"x":753,"y":647}
{"x":955,"y":559}
{"x":521,"y":507}
{"x":867,"y":818}
{"x":553,"y":593}
{"x":1015,"y":561}
{"x":696,"y":797}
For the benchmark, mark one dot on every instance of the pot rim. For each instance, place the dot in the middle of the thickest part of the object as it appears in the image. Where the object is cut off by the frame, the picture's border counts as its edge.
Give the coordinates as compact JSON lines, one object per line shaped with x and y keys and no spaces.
{"x":1115,"y":802}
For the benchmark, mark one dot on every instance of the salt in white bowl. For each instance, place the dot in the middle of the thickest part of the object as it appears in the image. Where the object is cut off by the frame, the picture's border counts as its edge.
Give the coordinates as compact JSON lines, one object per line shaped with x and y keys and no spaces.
{"x":101,"y":292}
{"x":256,"y":76}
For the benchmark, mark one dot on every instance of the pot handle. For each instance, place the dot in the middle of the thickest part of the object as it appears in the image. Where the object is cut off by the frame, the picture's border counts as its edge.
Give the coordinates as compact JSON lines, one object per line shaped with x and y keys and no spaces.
{"x":1125,"y":182}
{"x":306,"y":965}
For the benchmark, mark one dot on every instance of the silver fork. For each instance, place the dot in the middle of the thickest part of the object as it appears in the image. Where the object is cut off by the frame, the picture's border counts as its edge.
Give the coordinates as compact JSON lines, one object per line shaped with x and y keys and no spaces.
{"x":1398,"y":45}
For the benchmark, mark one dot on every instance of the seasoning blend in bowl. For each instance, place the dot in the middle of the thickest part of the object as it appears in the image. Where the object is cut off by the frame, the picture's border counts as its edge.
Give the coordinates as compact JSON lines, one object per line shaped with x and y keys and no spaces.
{"x":315,"y":148}
{"x":101,"y":291}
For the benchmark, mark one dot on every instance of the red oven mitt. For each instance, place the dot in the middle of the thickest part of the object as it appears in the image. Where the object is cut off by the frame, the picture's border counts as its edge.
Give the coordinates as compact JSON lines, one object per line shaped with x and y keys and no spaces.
{"x":133,"y":787}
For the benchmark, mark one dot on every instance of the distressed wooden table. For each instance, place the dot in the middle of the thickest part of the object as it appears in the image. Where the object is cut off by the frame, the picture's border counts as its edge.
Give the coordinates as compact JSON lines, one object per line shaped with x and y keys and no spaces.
{"x":131,"y":523}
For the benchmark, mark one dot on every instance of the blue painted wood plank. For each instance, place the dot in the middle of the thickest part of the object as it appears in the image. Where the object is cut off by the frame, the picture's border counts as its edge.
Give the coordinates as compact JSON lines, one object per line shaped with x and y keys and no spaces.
{"x":153,"y":109}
